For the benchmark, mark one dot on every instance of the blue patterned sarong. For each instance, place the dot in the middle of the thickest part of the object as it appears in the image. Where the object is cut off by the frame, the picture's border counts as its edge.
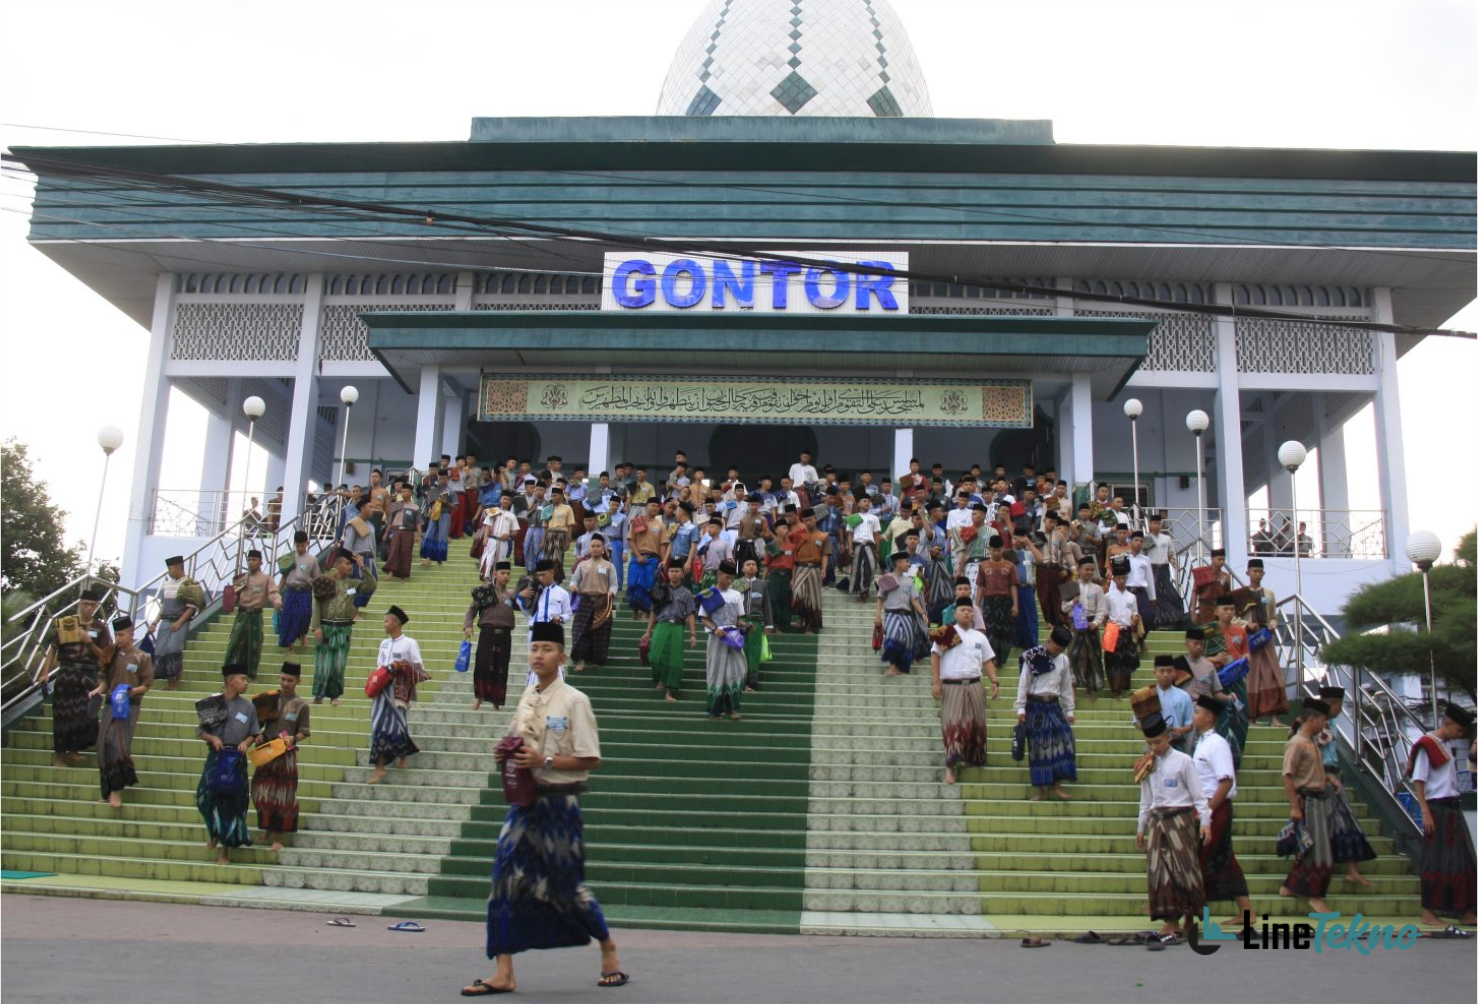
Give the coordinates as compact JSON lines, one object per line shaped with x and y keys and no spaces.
{"x":539,"y":897}
{"x":642,"y":573}
{"x":1049,"y":744}
{"x":435,"y":540}
{"x":294,"y":618}
{"x":390,"y":738}
{"x":225,"y":814}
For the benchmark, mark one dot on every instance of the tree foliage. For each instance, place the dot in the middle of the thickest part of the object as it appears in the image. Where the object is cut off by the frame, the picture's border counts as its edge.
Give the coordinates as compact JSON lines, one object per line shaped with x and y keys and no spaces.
{"x":34,"y":555}
{"x":1399,"y":604}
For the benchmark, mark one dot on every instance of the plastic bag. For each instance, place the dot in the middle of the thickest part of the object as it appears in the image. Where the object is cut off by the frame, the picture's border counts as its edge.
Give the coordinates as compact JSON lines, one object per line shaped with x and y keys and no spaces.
{"x":766,"y":648}
{"x":118,"y":701}
{"x":1111,"y":636}
{"x":465,"y":653}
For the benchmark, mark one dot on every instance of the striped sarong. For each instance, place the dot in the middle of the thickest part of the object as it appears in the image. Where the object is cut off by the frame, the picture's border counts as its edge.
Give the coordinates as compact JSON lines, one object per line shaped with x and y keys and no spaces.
{"x":1175,"y":884}
{"x":330,"y":657}
{"x":275,"y":794}
{"x":905,"y":639}
{"x":642,"y":571}
{"x":589,"y":643}
{"x":862,"y":570}
{"x":74,"y":726}
{"x":538,"y":897}
{"x":390,"y":738}
{"x":225,"y":813}
{"x":1049,"y":743}
{"x":807,"y":596}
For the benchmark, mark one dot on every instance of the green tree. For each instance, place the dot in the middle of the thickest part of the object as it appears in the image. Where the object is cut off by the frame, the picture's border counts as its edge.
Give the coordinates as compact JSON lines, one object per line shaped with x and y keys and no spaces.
{"x":1400,"y":602}
{"x":33,"y":551}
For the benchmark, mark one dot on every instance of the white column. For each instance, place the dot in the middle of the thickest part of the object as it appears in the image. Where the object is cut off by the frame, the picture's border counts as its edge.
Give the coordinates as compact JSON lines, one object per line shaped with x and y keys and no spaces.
{"x":905,"y":449}
{"x":1083,"y":458}
{"x":1332,"y":458}
{"x":153,"y":415}
{"x":598,"y":450}
{"x":1278,"y":481}
{"x":1064,"y":437}
{"x":216,"y":469}
{"x":1389,"y":442}
{"x":303,"y":417}
{"x":1229,"y":466}
{"x":428,"y":417}
{"x":463,"y":292}
{"x":452,"y":424}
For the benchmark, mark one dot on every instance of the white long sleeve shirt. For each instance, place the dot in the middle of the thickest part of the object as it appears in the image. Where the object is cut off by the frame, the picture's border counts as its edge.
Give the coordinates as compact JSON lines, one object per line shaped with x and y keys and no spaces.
{"x":1058,"y":682}
{"x":1215,"y":762}
{"x":1173,"y":784}
{"x":1142,"y":574}
{"x":1120,"y":606}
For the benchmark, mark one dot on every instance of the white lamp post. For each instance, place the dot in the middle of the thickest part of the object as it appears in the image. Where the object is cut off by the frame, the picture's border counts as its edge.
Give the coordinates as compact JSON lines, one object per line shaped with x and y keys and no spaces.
{"x":1133,"y":409}
{"x":110,"y":438}
{"x":348,"y":396}
{"x":254,"y":408}
{"x":1291,"y":454}
{"x":1424,"y":548}
{"x":1197,"y":421}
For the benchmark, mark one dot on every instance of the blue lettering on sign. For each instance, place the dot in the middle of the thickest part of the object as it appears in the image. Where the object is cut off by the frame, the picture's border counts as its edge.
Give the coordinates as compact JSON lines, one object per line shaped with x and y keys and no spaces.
{"x":637,"y":293}
{"x":742,"y":287}
{"x":864,"y":285}
{"x":670,"y":283}
{"x":813,"y":287}
{"x":779,"y":271}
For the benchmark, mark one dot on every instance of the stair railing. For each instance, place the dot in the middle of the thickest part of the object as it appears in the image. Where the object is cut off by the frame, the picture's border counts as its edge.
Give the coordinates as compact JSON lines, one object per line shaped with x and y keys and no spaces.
{"x":1377,"y":725}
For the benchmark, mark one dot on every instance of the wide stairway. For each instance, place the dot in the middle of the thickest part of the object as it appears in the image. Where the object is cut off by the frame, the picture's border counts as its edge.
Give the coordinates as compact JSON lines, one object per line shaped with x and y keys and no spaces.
{"x":822,"y":810}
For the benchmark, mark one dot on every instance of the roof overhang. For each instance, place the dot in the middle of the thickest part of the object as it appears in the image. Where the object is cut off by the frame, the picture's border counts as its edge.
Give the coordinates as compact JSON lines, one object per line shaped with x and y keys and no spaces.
{"x":1107,"y":350}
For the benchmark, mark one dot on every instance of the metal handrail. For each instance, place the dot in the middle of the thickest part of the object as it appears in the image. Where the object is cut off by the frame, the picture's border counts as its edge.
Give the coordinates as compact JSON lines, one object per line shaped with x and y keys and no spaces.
{"x":1377,"y":725}
{"x":214,"y":565}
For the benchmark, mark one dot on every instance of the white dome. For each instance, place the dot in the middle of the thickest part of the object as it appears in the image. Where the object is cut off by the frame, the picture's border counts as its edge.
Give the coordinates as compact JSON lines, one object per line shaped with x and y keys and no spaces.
{"x":796,"y":57}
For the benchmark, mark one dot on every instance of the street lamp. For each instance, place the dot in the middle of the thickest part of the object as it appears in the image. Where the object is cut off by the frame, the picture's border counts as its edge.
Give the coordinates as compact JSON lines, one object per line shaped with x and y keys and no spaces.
{"x":1424,"y":548}
{"x":1198,"y":421}
{"x":253,"y":408}
{"x":110,"y":438}
{"x":1291,"y":454}
{"x":1132,"y":409}
{"x":348,"y":396}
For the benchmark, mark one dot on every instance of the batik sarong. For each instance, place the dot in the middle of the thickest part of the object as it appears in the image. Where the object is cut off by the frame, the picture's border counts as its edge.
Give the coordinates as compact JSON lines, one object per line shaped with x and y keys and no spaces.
{"x":330,"y":657}
{"x":390,"y":738}
{"x":939,"y":589}
{"x":753,"y":650}
{"x":555,"y":544}
{"x":1265,"y":683}
{"x":1224,"y":879}
{"x":534,"y":547}
{"x":1175,"y":885}
{"x":964,"y":723}
{"x":1049,"y":743}
{"x":275,"y":794}
{"x":807,"y":596}
{"x":244,"y":645}
{"x":666,"y":655}
{"x":725,"y":676}
{"x":999,"y":625}
{"x":1448,"y":862}
{"x":169,"y":648}
{"x":591,"y":629}
{"x":295,"y":617}
{"x":1234,"y":721}
{"x":435,"y":540}
{"x":1047,"y":579}
{"x":1311,"y":872}
{"x":1122,"y":662}
{"x":491,"y":665}
{"x":1349,"y":843}
{"x":225,"y":813}
{"x":539,"y":897}
{"x":862,"y":570}
{"x":115,"y":741}
{"x":642,"y":571}
{"x":74,"y":726}
{"x":1085,"y":661}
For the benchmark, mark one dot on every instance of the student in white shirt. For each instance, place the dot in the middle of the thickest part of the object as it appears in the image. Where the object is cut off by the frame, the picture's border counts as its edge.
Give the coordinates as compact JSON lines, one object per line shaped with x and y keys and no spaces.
{"x":959,"y":658}
{"x":1448,"y":859}
{"x":1046,"y":705}
{"x":546,"y":601}
{"x":803,"y":472}
{"x":865,"y":538}
{"x":1224,"y":879}
{"x":1172,"y":824}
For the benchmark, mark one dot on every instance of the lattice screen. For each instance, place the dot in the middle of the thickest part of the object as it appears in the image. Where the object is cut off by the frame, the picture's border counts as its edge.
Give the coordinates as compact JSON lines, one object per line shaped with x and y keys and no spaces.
{"x":1267,"y":346}
{"x":342,"y":334}
{"x":236,"y":331}
{"x":1181,"y":343}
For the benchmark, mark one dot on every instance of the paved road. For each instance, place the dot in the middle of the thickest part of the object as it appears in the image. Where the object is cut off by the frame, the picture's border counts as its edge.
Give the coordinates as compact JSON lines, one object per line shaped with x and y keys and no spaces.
{"x":59,"y":950}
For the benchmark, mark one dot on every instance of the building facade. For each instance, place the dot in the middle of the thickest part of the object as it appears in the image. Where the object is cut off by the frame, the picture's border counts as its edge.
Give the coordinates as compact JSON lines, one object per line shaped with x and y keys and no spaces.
{"x":1050,"y":282}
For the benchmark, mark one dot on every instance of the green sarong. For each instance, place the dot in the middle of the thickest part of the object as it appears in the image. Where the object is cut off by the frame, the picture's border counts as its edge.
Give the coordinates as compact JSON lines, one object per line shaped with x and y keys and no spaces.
{"x":245,"y":644}
{"x":1234,"y":721}
{"x":753,"y":650}
{"x":779,"y":587}
{"x":330,"y":657}
{"x":666,"y":655}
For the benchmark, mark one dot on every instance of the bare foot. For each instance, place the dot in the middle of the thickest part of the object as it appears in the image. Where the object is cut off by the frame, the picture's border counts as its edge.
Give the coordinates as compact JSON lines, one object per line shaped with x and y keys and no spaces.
{"x":1357,"y":879}
{"x":401,"y":764}
{"x":334,"y":702}
{"x":377,"y":777}
{"x":670,"y":699}
{"x":76,"y":758}
{"x":1430,"y":919}
{"x":57,"y":761}
{"x":1316,"y":905}
{"x":1284,"y":891}
{"x":892,"y":671}
{"x":318,"y":700}
{"x":581,"y":667}
{"x":949,"y":777}
{"x":115,"y":800}
{"x":1040,"y":797}
{"x":211,"y":844}
{"x":1062,"y":793}
{"x":277,"y":845}
{"x":476,"y":704}
{"x":735,"y":716}
{"x":224,"y":858}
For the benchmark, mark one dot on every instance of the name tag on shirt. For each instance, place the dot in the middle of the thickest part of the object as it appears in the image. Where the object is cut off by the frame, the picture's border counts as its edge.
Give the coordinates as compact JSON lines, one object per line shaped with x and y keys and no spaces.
{"x":350,"y":591}
{"x":1171,"y":782}
{"x":291,"y":718}
{"x":556,"y":723}
{"x":132,"y":668}
{"x":241,"y":716}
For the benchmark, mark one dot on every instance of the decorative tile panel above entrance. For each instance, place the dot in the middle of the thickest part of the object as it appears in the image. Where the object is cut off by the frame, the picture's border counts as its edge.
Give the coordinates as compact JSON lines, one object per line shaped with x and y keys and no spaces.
{"x":1002,"y":404}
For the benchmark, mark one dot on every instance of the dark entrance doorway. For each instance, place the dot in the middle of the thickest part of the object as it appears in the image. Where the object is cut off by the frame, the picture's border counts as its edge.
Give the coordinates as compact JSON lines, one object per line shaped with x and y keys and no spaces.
{"x":495,"y":442}
{"x":759,"y":450}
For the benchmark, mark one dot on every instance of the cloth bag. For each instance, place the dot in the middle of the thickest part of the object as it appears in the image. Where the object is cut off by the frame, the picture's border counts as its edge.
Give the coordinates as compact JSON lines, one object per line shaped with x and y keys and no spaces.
{"x":378,"y":681}
{"x":465,"y":650}
{"x":1016,"y":749}
{"x":1258,"y":639}
{"x":519,"y":783}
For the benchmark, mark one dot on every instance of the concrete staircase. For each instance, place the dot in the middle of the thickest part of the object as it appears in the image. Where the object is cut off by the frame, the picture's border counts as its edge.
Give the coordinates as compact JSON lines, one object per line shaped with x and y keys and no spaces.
{"x":821,"y":811}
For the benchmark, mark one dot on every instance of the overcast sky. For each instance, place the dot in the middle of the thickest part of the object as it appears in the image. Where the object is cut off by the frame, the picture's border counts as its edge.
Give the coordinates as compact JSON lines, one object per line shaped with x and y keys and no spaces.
{"x":1299,"y":73}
